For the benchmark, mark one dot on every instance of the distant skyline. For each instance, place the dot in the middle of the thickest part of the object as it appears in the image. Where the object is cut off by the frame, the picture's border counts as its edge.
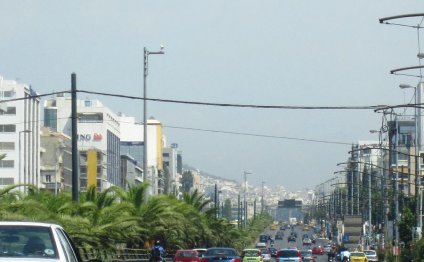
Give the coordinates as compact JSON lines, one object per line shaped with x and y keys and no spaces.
{"x":273,"y":52}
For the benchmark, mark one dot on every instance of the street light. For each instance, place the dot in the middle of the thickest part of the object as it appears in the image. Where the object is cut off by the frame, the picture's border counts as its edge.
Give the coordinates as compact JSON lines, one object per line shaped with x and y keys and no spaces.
{"x":146,"y":72}
{"x":245,"y":173}
{"x":20,"y":132}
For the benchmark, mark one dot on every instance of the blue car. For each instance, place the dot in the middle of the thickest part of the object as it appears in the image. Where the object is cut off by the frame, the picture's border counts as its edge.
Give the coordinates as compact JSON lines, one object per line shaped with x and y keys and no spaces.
{"x":221,"y":254}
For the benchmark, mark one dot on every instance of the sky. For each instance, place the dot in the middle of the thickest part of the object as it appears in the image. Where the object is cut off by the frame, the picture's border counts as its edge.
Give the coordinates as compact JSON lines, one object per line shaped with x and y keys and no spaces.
{"x":262,"y":52}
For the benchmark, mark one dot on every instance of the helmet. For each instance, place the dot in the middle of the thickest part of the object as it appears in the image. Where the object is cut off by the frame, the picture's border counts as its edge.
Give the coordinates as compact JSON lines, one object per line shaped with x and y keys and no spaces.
{"x":157,"y":242}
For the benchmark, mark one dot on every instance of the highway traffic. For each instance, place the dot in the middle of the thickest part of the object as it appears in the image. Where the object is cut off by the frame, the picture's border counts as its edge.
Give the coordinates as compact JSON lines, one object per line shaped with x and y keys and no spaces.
{"x":299,"y":232}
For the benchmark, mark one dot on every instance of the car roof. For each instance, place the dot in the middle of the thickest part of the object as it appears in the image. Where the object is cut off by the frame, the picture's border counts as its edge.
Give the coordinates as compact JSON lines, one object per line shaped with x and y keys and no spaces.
{"x":251,"y":249}
{"x":27,"y":223}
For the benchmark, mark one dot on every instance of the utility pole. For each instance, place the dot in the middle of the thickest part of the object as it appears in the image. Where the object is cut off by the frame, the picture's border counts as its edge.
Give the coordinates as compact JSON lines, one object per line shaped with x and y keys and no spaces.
{"x":75,"y":154}
{"x":262,"y":198}
{"x":238,"y":212}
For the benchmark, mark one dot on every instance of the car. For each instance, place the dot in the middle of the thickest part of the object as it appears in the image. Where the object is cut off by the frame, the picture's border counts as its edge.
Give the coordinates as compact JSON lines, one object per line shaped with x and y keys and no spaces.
{"x":266,"y":255}
{"x":251,"y":255}
{"x":371,"y":255}
{"x":307,"y":255}
{"x":292,"y":255}
{"x":305,"y":236}
{"x":187,"y":255}
{"x":260,"y":245}
{"x":327,"y":248}
{"x":221,"y":254}
{"x":291,"y":238}
{"x":318,"y":250}
{"x":273,"y":251}
{"x":305,"y":228}
{"x":36,"y":241}
{"x":201,"y":251}
{"x":263,"y":238}
{"x":358,"y":257}
{"x":307,"y":242}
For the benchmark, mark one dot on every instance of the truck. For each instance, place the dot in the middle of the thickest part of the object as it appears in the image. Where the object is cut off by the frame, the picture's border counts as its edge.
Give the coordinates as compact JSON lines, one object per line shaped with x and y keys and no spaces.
{"x":293,"y":221}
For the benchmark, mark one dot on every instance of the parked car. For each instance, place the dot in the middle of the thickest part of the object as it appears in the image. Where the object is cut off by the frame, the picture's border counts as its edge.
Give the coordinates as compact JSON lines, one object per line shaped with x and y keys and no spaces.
{"x":187,"y":256}
{"x":292,"y":255}
{"x":221,"y":254}
{"x":307,"y":255}
{"x":251,"y":255}
{"x":371,"y":255}
{"x":318,"y":250}
{"x":266,"y":255}
{"x":33,"y":241}
{"x":358,"y":257}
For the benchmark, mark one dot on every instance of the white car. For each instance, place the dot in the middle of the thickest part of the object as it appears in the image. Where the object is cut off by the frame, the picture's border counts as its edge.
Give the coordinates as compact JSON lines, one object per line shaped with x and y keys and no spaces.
{"x":371,"y":255}
{"x":32,"y":241}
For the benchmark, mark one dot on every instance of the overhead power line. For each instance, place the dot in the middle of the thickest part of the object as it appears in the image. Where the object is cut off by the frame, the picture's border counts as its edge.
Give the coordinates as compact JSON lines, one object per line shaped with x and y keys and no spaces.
{"x":258,"y":135}
{"x":372,"y":107}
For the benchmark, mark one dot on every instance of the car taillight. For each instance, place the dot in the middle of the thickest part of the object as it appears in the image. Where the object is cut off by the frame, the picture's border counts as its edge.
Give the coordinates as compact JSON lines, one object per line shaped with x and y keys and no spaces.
{"x":299,"y":255}
{"x":237,"y":260}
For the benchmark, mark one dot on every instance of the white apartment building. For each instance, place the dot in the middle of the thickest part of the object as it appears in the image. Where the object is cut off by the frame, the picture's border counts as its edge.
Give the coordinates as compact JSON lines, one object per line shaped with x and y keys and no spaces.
{"x":19,"y":134}
{"x":98,"y":131}
{"x":170,"y":162}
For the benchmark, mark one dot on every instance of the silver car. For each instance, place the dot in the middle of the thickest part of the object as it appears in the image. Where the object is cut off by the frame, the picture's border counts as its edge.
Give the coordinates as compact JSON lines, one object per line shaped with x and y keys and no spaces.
{"x":371,"y":255}
{"x":32,"y":241}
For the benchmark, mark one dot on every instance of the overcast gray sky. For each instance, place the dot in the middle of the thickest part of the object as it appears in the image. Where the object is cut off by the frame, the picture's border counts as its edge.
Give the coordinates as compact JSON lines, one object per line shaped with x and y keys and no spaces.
{"x":265,"y":52}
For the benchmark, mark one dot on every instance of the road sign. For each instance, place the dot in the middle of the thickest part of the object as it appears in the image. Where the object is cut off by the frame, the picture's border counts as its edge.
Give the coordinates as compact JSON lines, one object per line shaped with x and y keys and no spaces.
{"x":345,"y":238}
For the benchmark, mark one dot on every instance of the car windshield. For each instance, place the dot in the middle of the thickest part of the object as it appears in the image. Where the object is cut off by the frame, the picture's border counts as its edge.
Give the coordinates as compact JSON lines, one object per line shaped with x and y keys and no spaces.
{"x":186,"y":254}
{"x":288,"y":253}
{"x":250,"y":253}
{"x":357,"y":254}
{"x":30,"y":241}
{"x":220,"y":252}
{"x":370,"y":252}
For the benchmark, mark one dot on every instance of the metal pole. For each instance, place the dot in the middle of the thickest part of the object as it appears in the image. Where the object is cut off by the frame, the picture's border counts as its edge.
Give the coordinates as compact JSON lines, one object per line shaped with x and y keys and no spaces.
{"x":262,"y":198}
{"x":369,"y":204}
{"x":418,"y":93}
{"x":397,"y":184}
{"x":238,"y":212}
{"x":75,"y":154}
{"x":145,"y":72}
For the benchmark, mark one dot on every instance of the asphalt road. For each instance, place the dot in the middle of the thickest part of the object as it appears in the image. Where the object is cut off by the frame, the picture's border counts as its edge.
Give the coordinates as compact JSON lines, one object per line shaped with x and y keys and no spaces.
{"x":280,"y":244}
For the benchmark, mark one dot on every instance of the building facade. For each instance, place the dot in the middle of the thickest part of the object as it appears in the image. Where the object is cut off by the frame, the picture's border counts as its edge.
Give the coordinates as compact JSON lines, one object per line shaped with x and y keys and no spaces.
{"x":19,"y":134}
{"x":98,"y":130}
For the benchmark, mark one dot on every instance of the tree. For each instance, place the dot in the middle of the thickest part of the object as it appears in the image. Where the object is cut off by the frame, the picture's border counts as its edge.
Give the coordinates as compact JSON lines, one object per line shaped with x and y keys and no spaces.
{"x":227,"y":212}
{"x":187,"y":181}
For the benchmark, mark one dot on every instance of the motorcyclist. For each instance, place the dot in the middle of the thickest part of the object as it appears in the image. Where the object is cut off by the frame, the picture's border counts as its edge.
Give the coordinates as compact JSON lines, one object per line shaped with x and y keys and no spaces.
{"x":157,"y":252}
{"x":344,"y":255}
{"x":331,"y":255}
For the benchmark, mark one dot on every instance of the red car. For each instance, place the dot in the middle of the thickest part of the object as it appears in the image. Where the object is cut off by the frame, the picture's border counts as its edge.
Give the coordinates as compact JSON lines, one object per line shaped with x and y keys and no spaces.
{"x":318,"y":250}
{"x":187,"y":256}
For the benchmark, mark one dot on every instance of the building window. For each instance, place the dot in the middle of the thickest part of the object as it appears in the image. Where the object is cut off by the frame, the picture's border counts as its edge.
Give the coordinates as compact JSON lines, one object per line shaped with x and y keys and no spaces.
{"x":7,"y":146}
{"x":7,"y":128}
{"x":88,"y":103}
{"x":48,"y":178}
{"x":6,"y":181}
{"x":10,"y":111}
{"x":9,"y":94}
{"x":90,"y":118}
{"x":7,"y":163}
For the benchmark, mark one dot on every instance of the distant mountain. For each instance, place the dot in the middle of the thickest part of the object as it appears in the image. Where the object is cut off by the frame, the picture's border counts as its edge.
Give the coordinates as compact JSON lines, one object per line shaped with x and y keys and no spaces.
{"x":204,"y":173}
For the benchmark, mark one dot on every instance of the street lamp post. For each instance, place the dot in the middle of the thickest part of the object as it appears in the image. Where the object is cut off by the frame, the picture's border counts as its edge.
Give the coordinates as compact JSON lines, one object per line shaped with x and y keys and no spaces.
{"x":20,"y":153}
{"x":245,"y":173}
{"x":145,"y":73}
